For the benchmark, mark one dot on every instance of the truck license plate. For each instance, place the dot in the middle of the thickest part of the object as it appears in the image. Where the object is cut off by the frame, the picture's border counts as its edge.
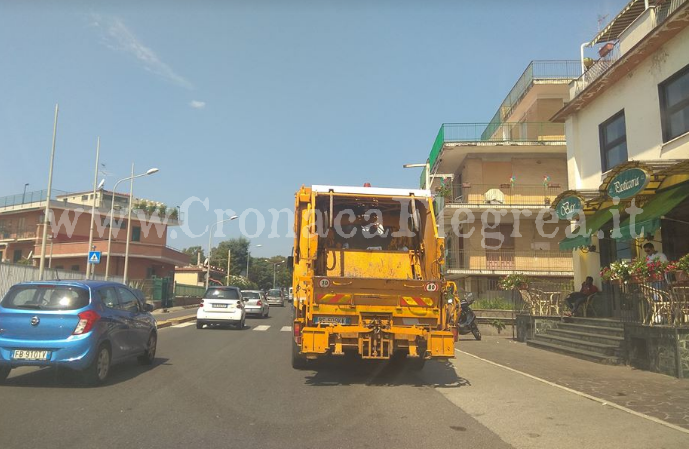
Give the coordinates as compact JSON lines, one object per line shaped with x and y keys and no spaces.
{"x":332,"y":320}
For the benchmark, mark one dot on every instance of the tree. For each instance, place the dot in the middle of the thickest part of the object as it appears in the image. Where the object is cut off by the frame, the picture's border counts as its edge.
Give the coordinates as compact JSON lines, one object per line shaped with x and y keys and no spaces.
{"x":238,"y":250}
{"x":193,"y":251}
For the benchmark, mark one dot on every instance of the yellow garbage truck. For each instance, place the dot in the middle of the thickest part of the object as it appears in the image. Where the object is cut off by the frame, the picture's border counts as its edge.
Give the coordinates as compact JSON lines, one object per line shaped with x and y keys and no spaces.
{"x":368,"y":276}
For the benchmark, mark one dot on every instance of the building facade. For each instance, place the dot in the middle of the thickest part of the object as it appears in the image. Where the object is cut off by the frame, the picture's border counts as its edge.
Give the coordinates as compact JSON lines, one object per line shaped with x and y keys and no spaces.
{"x":628,"y":121}
{"x":21,"y":231}
{"x":506,"y":174}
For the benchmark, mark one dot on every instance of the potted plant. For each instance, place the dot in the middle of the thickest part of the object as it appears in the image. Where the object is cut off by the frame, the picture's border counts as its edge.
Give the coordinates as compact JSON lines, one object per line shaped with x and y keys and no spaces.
{"x":444,"y":191}
{"x":679,"y":268}
{"x":514,"y":282}
{"x":619,"y":271}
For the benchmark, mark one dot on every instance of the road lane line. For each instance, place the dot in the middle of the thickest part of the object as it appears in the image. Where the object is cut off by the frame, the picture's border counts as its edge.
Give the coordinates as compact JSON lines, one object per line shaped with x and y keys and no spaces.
{"x":286,"y":329}
{"x":190,"y":323}
{"x":261,"y":328}
{"x":583,"y":395}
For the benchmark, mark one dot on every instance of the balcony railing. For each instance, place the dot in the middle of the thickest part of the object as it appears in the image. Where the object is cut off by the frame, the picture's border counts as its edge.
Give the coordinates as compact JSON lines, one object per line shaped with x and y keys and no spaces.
{"x":507,"y":132}
{"x":17,"y":234}
{"x":502,"y":194}
{"x":599,"y":67}
{"x":509,"y":260}
{"x":18,"y":200}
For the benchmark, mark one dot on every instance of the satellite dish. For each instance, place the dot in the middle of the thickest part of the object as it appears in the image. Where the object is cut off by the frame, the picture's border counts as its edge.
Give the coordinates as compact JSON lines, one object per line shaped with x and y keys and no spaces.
{"x":30,"y":255}
{"x":102,"y":183}
{"x":205,"y":262}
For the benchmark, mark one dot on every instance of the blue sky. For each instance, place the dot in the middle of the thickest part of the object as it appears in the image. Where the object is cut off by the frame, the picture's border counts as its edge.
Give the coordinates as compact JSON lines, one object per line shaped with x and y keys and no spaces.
{"x":243,"y":102}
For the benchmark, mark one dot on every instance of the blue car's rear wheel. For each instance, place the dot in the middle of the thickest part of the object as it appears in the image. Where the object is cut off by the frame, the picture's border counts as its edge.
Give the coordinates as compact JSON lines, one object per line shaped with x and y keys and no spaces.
{"x":4,"y":372}
{"x":99,"y":368}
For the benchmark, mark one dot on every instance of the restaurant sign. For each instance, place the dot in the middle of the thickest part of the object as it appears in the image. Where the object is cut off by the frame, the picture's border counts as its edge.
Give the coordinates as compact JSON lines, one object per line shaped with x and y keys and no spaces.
{"x":628,"y":183}
{"x":568,"y":206}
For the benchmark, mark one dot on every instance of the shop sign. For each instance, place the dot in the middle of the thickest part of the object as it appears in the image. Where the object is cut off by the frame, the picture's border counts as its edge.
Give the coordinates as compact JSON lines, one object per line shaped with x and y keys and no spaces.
{"x":568,"y":206}
{"x":628,"y":183}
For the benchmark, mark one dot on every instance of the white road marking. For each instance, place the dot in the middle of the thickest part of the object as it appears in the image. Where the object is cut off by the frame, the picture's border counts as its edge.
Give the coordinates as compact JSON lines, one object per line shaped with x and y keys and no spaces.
{"x":189,"y":323}
{"x":286,"y":329}
{"x":579,"y":393}
{"x":261,"y":328}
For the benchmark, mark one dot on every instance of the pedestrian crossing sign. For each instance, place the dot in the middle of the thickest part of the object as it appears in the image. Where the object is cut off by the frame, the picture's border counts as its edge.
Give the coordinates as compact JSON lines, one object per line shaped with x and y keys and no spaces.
{"x":94,"y":257}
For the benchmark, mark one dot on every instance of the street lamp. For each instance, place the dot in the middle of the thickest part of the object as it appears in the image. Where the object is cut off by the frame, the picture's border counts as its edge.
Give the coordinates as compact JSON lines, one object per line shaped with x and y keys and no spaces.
{"x":112,"y":212}
{"x":210,"y":236}
{"x":427,"y":166}
{"x":24,"y":194}
{"x":248,"y":257}
{"x":275,"y":265}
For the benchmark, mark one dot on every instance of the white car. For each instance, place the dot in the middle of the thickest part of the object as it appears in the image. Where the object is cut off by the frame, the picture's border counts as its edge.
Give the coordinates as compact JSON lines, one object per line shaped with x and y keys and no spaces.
{"x":223,"y":306}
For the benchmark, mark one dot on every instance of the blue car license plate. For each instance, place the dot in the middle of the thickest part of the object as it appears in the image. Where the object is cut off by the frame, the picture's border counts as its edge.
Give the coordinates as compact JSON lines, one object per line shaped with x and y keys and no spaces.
{"x":23,"y":354}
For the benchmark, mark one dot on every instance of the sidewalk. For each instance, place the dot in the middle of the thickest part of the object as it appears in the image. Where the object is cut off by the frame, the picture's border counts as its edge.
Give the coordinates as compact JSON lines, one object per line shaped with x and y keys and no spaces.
{"x":656,"y":395}
{"x":175,"y":315}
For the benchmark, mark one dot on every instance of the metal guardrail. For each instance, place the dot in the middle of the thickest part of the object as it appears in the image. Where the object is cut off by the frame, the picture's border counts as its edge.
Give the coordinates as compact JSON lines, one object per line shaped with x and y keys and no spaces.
{"x":503,"y":194}
{"x":509,"y":260}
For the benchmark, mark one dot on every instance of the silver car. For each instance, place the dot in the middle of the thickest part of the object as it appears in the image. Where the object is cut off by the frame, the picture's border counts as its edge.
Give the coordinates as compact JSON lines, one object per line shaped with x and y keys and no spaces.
{"x":255,"y":303}
{"x":276,"y":297}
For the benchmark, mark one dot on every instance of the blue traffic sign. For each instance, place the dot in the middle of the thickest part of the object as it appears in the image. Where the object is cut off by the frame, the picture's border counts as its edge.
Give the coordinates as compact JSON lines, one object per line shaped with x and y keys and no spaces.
{"x":94,"y":257}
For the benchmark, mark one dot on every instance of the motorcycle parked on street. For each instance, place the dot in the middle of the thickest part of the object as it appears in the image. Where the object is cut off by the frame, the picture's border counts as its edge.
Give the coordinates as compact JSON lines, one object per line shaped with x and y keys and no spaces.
{"x":466,"y":323}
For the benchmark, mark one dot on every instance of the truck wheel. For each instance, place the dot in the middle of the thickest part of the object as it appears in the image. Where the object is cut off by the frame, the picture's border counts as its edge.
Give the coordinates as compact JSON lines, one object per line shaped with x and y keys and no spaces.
{"x":298,"y":360}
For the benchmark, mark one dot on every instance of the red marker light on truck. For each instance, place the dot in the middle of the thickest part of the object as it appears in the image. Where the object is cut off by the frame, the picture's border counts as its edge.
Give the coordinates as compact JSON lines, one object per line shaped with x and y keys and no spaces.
{"x":86,"y":322}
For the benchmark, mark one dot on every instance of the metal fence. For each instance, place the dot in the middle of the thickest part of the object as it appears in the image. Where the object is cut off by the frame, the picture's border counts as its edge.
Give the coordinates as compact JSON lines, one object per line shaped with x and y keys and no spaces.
{"x":11,"y":274}
{"x":487,"y":290}
{"x":651,"y":302}
{"x":509,"y":260}
{"x":503,"y":194}
{"x":12,"y":201}
{"x":189,"y":291}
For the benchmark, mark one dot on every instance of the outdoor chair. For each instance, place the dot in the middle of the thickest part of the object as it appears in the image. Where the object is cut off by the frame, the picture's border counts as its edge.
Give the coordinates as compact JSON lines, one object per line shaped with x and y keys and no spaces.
{"x":680,"y":296}
{"x":538,"y":301}
{"x":588,"y":304}
{"x":659,"y":304}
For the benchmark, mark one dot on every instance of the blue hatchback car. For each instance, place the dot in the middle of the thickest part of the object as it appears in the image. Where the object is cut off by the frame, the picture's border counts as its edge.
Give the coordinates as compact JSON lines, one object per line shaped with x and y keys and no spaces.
{"x":83,"y":325}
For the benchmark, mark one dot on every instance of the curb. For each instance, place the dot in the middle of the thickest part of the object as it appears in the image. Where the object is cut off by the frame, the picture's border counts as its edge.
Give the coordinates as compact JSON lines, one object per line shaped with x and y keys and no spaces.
{"x":174,"y":321}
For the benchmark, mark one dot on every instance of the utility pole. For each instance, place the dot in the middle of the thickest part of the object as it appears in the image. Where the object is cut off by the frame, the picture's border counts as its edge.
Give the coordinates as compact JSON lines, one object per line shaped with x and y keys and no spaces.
{"x":46,"y":213}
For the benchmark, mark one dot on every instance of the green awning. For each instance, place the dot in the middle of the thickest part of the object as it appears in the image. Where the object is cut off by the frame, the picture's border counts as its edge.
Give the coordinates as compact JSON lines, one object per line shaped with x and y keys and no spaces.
{"x":648,"y":221}
{"x":593,"y":223}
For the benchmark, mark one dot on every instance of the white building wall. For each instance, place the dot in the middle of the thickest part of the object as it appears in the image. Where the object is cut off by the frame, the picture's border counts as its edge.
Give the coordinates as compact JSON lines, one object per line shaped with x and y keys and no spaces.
{"x":637,"y":94}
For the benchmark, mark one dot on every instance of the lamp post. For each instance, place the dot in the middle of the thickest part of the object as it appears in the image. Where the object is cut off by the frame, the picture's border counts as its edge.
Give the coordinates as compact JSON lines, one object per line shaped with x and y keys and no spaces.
{"x":275,"y":265}
{"x":24,"y":194}
{"x":46,"y":212}
{"x":210,"y":236}
{"x":248,"y":257}
{"x":229,"y":257}
{"x":427,"y":166}
{"x":93,"y":210}
{"x":112,"y":212}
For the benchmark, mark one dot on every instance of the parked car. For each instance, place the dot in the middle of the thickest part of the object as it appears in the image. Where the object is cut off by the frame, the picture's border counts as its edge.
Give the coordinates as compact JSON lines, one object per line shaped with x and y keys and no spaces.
{"x":275,"y":297}
{"x":290,"y":295}
{"x":83,"y":325}
{"x":255,"y":303}
{"x":223,"y":306}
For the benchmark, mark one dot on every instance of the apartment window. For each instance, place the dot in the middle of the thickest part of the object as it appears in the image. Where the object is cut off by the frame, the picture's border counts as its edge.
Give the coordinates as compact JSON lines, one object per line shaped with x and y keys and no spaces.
{"x":613,"y":141}
{"x":17,"y":255}
{"x":75,"y":267}
{"x":674,"y":104}
{"x":84,"y":197}
{"x":136,"y":234}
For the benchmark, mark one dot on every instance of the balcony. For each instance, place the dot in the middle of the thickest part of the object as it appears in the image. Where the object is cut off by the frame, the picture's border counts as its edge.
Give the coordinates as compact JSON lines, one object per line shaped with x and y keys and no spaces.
{"x":136,"y":250}
{"x":17,"y":234}
{"x":502,"y":262}
{"x":501,"y":195}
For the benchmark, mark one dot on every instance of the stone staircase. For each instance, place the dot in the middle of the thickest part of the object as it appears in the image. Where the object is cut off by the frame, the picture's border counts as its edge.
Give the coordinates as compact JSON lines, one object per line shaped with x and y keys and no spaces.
{"x":593,"y":339}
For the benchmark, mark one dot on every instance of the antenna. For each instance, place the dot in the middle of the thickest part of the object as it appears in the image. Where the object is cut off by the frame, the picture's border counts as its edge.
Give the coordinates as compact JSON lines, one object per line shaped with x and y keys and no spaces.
{"x":601,"y":21}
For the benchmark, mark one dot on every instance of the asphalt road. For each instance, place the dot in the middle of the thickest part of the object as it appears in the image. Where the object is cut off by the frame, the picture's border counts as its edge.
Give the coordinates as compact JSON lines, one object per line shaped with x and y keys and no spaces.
{"x":231,"y":388}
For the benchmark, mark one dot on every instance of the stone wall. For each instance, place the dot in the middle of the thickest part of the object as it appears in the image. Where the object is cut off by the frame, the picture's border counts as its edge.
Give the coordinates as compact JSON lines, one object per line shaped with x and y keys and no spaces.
{"x":661,"y":349}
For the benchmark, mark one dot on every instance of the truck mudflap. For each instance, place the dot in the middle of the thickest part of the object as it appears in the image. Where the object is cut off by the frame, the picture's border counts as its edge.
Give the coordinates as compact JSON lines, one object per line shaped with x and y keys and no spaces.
{"x":315,"y":341}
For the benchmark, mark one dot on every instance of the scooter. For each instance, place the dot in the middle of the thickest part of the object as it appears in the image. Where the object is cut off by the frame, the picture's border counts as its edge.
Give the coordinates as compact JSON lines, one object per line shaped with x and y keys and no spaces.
{"x":467,"y":318}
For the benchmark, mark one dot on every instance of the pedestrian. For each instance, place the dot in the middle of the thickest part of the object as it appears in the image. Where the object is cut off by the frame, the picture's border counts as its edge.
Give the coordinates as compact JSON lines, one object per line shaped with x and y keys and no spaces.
{"x":652,"y":255}
{"x":575,"y":299}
